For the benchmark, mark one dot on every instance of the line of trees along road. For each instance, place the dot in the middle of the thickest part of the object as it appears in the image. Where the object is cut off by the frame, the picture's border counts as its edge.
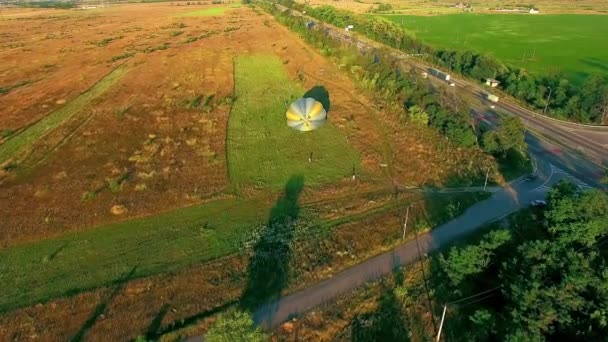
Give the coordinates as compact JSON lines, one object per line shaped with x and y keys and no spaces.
{"x":545,"y":278}
{"x":420,"y":104}
{"x":415,"y":101}
{"x":586,"y":103}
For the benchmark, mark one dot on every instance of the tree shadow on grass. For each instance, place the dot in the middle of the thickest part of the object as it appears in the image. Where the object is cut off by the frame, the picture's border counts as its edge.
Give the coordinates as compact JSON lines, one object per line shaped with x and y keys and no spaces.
{"x":320,"y":94}
{"x":154,"y":326}
{"x":101,"y":307}
{"x":268,"y":267}
{"x":386,"y":323}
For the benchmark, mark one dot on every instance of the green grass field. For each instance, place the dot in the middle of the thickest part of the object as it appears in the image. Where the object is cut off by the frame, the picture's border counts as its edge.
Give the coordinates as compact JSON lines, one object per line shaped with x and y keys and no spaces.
{"x":262,"y":150}
{"x":209,"y":11}
{"x":46,"y":269}
{"x":573,"y":44}
{"x":31,"y":134}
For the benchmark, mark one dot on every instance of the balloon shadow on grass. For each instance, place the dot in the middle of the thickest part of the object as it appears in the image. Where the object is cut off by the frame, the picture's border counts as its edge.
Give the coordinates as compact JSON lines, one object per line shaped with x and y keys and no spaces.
{"x":268,"y":270}
{"x":320,"y":94}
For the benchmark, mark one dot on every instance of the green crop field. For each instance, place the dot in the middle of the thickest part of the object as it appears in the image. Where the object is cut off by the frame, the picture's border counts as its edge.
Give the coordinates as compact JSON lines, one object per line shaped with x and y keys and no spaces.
{"x":262,"y":150}
{"x":573,"y":44}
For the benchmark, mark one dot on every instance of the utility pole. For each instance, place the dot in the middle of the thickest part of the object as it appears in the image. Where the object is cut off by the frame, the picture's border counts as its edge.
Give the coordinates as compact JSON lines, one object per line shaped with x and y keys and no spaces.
{"x":486,"y":182}
{"x":445,"y":307}
{"x":548,"y":99}
{"x":407,"y":214}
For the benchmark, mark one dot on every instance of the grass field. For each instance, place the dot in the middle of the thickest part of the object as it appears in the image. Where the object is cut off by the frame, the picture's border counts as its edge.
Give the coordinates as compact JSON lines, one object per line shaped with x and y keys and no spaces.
{"x":572,"y":44}
{"x":262,"y":150}
{"x":76,"y":262}
{"x":209,"y":11}
{"x":36,"y":131}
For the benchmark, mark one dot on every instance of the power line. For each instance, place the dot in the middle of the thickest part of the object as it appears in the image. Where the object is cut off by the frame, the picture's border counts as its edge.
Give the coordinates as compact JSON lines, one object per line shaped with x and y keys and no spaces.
{"x":478,"y":300}
{"x":473,"y":296}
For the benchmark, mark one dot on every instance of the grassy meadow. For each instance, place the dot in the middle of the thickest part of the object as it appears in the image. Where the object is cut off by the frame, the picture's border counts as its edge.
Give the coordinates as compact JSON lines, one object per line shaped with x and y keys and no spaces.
{"x":262,"y":150}
{"x":569,"y":43}
{"x":101,"y":256}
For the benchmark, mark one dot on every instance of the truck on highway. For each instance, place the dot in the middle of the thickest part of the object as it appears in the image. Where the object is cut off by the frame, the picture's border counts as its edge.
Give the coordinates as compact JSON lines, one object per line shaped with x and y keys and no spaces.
{"x":492,"y":97}
{"x":439,"y":74}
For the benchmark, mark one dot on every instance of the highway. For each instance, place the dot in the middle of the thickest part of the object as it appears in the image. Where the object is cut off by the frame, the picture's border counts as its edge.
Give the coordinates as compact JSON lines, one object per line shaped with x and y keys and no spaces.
{"x":580,"y":150}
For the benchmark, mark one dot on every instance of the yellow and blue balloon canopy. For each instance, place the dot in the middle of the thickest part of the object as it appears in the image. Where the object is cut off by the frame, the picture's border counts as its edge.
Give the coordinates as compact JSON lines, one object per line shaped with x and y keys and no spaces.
{"x":306,"y":114}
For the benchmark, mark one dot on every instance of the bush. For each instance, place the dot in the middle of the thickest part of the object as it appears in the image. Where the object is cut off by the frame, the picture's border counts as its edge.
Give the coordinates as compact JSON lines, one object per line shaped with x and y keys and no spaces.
{"x":235,"y":326}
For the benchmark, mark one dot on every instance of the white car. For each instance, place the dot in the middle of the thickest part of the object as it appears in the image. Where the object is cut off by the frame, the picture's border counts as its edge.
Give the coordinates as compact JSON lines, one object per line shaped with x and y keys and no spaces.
{"x":492,"y":106}
{"x":538,"y":203}
{"x":452,"y":84}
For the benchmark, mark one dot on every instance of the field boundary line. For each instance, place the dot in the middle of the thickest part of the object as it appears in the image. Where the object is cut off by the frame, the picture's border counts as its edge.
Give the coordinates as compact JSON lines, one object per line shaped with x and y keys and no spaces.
{"x":63,"y":141}
{"x":226,"y":138}
{"x":39,"y":129}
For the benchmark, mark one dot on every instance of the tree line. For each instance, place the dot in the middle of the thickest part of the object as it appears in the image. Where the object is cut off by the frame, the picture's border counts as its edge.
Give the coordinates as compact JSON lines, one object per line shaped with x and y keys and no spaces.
{"x":545,"y":278}
{"x":551,"y":93}
{"x":377,"y":71}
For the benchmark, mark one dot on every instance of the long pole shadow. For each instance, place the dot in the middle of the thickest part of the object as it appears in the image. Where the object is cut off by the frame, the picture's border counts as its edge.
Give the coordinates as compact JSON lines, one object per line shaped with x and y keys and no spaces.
{"x":268,"y":270}
{"x":101,"y":307}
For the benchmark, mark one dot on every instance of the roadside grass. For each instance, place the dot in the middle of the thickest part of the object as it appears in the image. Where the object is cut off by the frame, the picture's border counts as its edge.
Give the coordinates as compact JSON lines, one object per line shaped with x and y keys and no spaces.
{"x":209,"y":11}
{"x":30,"y":135}
{"x":541,"y":43}
{"x":262,"y":150}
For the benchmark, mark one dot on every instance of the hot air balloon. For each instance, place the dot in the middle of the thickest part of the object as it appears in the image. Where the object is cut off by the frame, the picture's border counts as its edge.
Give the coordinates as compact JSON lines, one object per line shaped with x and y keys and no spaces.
{"x":306,"y":114}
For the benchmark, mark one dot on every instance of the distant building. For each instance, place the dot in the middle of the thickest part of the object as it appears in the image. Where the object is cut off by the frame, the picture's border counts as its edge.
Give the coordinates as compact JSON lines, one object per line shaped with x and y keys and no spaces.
{"x":534,"y":10}
{"x":492,"y":82}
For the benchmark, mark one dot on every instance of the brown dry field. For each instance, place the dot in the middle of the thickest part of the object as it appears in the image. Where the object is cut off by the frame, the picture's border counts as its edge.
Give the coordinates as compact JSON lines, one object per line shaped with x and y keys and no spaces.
{"x":177,"y":153}
{"x":431,"y":7}
{"x":170,"y":156}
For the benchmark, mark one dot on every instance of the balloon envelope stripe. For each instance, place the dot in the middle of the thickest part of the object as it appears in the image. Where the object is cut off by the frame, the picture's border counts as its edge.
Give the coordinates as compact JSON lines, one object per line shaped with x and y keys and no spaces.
{"x":306,"y":114}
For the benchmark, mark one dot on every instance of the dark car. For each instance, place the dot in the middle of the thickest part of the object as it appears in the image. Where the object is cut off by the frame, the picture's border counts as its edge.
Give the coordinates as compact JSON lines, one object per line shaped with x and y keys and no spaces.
{"x":530,"y":178}
{"x":538,"y":203}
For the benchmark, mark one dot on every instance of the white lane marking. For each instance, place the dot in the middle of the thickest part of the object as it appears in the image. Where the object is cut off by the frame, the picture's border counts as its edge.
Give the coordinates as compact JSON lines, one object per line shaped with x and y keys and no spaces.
{"x":546,"y":180}
{"x":556,"y":170}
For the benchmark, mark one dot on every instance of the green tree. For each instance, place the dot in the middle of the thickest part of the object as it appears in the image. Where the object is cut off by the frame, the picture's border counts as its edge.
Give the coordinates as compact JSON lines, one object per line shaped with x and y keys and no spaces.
{"x":418,"y":116}
{"x":557,"y":285}
{"x":490,"y":142}
{"x":235,"y":326}
{"x":463,"y":262}
{"x":511,"y":133}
